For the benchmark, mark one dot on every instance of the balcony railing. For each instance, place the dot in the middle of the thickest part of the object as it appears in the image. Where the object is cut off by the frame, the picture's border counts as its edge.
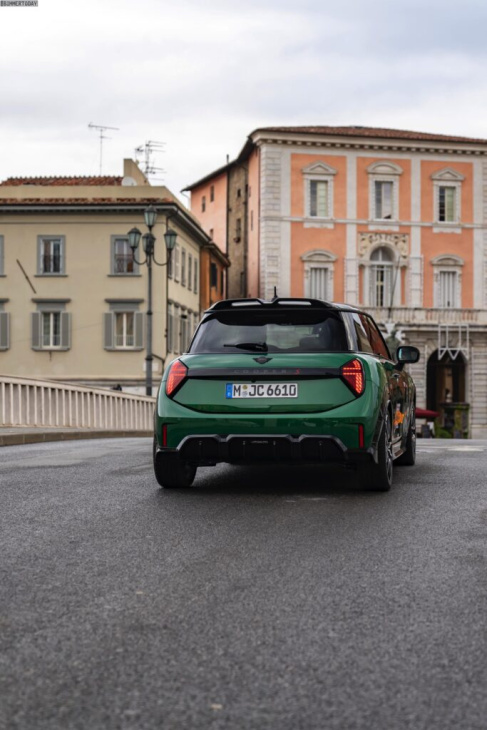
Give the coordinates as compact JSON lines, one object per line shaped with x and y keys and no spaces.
{"x":29,"y":402}
{"x":413,"y":315}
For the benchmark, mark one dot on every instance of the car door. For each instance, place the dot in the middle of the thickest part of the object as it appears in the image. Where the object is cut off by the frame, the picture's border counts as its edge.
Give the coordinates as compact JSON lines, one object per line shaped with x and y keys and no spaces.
{"x":398,"y":379}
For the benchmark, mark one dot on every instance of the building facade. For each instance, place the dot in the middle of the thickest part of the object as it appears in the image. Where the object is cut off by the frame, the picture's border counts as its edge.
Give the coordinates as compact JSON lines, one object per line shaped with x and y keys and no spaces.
{"x":73,"y":299}
{"x":390,"y":220}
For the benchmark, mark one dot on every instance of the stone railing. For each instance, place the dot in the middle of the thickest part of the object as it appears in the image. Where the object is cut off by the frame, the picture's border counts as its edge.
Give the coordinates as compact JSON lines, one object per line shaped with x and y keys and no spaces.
{"x":28,"y":402}
{"x":413,"y":315}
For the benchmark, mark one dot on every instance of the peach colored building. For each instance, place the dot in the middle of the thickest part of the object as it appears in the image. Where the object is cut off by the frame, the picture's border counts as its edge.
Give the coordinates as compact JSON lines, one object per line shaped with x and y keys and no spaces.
{"x":391,"y":220}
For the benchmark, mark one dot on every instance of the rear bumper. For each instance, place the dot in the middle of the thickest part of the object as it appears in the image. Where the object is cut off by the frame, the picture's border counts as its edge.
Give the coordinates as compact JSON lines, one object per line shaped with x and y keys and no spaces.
{"x":210,"y":449}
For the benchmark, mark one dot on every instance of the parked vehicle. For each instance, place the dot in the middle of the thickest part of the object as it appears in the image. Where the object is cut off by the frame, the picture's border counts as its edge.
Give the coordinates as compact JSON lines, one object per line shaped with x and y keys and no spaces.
{"x":287,"y":380}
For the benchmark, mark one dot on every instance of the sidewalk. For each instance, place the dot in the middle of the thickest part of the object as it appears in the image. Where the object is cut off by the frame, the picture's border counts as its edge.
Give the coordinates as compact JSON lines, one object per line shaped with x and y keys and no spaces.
{"x":16,"y":435}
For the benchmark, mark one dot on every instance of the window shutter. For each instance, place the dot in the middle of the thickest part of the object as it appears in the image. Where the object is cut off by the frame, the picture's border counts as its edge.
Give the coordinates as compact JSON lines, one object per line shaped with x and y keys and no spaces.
{"x":139,"y":330}
{"x":108,"y":331}
{"x":4,"y":331}
{"x":195,"y":287}
{"x":36,"y":330}
{"x":66,"y":330}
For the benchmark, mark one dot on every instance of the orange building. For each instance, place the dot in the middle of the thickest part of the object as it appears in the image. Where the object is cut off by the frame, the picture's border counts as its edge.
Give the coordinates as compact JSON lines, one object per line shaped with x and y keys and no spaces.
{"x":391,"y":220}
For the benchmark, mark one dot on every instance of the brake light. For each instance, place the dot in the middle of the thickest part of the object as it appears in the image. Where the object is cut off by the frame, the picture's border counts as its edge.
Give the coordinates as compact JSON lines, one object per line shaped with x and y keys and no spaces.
{"x":353,"y":374}
{"x":177,"y":373}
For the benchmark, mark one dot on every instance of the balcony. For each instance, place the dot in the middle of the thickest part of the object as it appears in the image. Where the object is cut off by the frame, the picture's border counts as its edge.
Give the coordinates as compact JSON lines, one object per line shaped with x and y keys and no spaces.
{"x":424,"y":316}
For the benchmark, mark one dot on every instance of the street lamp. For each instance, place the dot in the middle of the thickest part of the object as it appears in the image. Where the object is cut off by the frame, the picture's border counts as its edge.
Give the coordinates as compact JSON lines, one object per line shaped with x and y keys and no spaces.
{"x":148,"y":244}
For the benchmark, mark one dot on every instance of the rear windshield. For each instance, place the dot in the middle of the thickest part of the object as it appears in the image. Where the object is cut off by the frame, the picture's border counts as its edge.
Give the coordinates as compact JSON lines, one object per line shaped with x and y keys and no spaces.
{"x":271,"y":331}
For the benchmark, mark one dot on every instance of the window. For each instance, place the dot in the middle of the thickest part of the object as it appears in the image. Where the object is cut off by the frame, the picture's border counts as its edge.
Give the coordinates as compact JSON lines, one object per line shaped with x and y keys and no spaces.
{"x":318,"y":282}
{"x":213,"y":276}
{"x":222,"y":281}
{"x":183,"y":267}
{"x":383,"y":200}
{"x":176,"y":254}
{"x":318,"y":198}
{"x":195,"y":277}
{"x":272,"y":331}
{"x":51,"y":325}
{"x":203,"y":203}
{"x":376,"y":340}
{"x":123,"y":328}
{"x":4,"y":327}
{"x":384,"y":190}
{"x":170,"y":264}
{"x":239,"y":193}
{"x":447,"y":279}
{"x":183,"y":328}
{"x":447,"y":195}
{"x":122,"y":257}
{"x":318,"y":274}
{"x":446,"y":204}
{"x":2,"y":268}
{"x":190,"y":271}
{"x":381,"y":278}
{"x":51,"y":255}
{"x":318,"y":180}
{"x":212,"y":193}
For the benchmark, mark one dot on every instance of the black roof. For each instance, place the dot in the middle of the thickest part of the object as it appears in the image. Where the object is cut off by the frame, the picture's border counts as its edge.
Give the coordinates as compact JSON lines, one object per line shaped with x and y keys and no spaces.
{"x":277,"y":302}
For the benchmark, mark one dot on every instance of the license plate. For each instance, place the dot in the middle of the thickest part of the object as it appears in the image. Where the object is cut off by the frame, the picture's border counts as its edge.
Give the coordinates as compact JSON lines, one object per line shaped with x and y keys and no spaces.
{"x":262,"y":390}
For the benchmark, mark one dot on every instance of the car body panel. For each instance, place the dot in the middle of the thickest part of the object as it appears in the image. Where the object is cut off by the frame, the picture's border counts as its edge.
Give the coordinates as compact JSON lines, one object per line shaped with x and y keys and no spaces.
{"x":199,"y":415}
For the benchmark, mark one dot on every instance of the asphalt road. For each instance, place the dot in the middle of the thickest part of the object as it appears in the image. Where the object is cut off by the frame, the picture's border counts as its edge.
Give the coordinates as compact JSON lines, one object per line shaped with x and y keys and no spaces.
{"x":261,"y":598}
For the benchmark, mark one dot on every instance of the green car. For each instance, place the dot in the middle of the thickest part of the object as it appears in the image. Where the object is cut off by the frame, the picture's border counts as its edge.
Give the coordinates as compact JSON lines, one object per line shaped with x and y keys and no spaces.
{"x":298,"y":381}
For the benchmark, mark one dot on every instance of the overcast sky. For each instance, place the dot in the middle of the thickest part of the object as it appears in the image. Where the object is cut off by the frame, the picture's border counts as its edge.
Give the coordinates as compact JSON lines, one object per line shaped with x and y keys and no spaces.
{"x":200,"y":75}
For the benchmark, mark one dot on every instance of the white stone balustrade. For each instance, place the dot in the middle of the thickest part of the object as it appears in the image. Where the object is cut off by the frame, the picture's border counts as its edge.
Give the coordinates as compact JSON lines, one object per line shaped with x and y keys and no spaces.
{"x":412,"y":315}
{"x":29,"y":402}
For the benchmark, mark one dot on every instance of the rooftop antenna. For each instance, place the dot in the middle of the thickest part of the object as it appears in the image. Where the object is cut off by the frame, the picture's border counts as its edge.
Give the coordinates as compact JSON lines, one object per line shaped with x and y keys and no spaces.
{"x":101,"y":129}
{"x":148,"y":150}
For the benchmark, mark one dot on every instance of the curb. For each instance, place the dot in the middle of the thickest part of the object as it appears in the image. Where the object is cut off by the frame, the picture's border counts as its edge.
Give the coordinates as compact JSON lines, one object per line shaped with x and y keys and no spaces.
{"x":17,"y":439}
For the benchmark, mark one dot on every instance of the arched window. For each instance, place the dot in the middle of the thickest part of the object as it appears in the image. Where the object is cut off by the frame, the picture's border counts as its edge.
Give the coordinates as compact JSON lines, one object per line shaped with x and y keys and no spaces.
{"x":381,"y":277}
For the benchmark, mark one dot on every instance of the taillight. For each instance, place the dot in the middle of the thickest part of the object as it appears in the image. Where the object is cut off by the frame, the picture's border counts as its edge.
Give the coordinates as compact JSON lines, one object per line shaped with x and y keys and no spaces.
{"x":353,"y":374}
{"x":177,"y":373}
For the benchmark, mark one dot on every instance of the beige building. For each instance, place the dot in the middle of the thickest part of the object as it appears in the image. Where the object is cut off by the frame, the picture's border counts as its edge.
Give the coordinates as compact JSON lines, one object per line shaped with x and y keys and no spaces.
{"x":73,"y":300}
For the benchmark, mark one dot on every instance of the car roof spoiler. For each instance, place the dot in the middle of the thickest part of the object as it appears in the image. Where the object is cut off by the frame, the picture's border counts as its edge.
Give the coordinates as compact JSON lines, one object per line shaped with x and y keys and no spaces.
{"x":272,"y":304}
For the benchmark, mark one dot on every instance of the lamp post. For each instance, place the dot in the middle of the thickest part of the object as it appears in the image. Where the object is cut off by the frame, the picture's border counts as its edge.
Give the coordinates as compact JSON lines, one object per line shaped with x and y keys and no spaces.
{"x":148,"y":242}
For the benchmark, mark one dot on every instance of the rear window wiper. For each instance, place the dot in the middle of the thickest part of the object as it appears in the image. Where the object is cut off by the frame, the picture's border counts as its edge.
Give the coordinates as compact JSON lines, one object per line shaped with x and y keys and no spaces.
{"x":258,"y":346}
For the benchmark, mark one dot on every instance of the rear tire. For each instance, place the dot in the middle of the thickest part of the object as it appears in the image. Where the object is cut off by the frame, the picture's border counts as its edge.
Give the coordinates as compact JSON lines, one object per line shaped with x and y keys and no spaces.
{"x":171,"y":471}
{"x":378,"y":477}
{"x":408,"y":457}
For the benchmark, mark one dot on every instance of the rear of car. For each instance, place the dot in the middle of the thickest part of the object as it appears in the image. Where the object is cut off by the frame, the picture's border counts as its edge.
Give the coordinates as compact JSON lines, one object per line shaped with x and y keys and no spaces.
{"x":269,"y":381}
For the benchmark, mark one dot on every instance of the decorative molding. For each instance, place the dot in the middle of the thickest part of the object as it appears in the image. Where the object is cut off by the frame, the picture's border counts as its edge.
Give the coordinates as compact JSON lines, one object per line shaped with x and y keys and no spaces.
{"x":447,"y":260}
{"x":398,"y":242}
{"x":448,"y":174}
{"x":319,"y":169}
{"x":319,"y":255}
{"x":384,"y":167}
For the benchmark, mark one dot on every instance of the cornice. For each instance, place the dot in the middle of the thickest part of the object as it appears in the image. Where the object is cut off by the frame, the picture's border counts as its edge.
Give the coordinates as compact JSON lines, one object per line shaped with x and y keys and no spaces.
{"x":370,"y":145}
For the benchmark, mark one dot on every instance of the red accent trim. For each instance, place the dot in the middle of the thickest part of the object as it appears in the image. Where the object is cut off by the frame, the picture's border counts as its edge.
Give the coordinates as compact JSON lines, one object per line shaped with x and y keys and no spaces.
{"x":164,"y":435}
{"x":361,"y":439}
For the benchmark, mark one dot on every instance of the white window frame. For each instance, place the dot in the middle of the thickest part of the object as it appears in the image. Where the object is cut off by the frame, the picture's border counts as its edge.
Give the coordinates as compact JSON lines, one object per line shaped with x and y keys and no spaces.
{"x":447,"y":178}
{"x":41,"y":241}
{"x":177,"y":268}
{"x":384,"y":171}
{"x":122,"y":308}
{"x":54,"y":310}
{"x":395,"y":266}
{"x":447,"y":263}
{"x":113,"y":268}
{"x":4,"y":326}
{"x":319,"y":259}
{"x":318,"y":172}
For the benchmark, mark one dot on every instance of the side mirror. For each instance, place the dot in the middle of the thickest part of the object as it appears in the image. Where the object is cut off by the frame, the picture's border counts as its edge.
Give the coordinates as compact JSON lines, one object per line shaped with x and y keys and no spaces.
{"x":407,"y":354}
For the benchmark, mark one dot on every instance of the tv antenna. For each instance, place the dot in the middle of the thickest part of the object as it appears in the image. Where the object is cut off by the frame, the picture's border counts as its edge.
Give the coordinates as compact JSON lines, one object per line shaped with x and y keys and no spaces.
{"x":101,"y":129}
{"x":148,"y":150}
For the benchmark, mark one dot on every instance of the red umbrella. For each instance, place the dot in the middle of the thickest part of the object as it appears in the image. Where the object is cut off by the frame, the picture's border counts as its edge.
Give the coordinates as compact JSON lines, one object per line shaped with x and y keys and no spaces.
{"x":424,"y":413}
